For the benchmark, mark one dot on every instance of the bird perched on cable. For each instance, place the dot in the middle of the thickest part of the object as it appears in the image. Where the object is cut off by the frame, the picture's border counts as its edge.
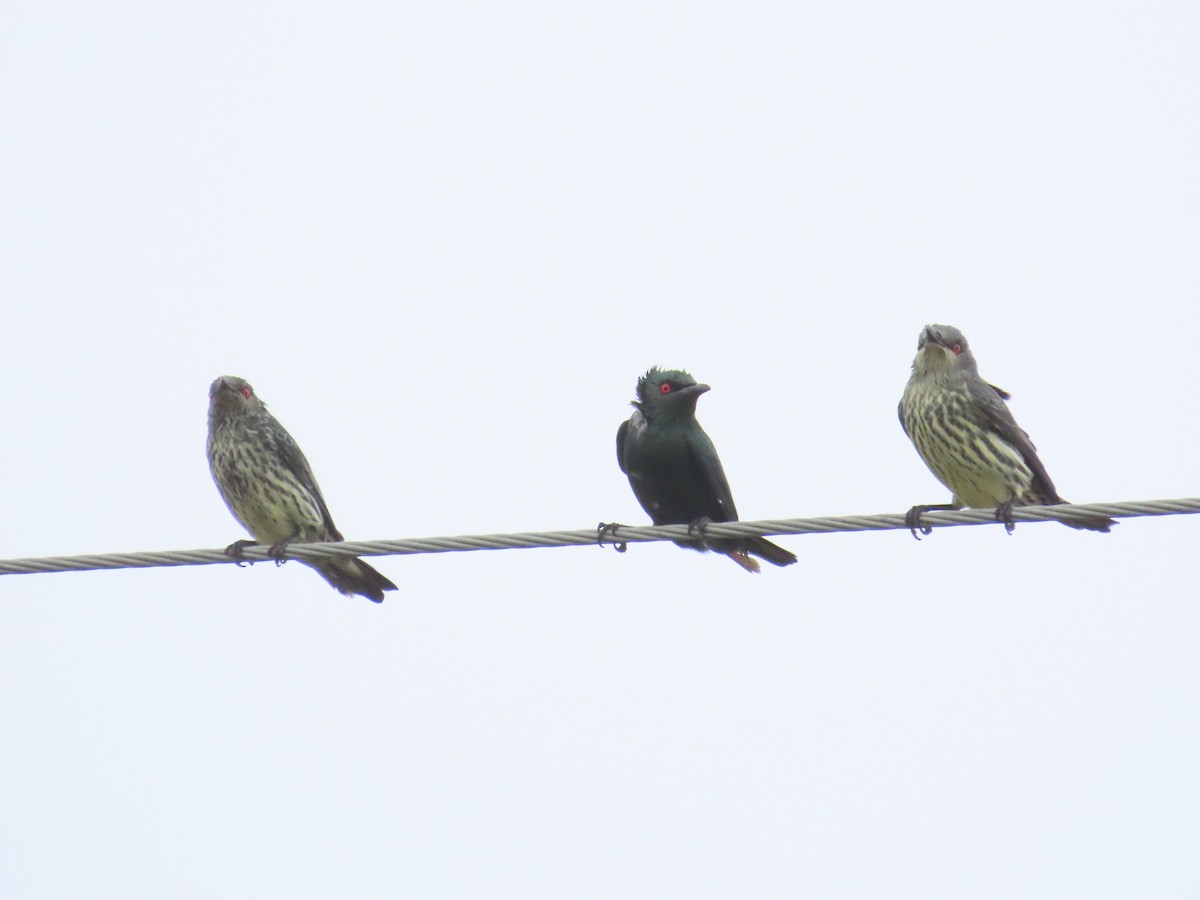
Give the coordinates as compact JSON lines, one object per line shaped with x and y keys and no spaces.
{"x":267,"y":485}
{"x":674,"y":469}
{"x":963,"y":430}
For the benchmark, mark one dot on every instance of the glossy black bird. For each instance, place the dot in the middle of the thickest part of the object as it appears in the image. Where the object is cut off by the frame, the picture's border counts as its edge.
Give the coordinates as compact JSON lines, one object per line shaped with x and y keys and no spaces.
{"x":267,"y":485}
{"x":963,"y":430}
{"x":674,"y":469}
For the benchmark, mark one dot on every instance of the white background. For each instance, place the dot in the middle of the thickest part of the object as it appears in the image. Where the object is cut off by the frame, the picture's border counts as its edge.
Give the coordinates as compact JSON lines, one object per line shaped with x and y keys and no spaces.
{"x":443,"y":241}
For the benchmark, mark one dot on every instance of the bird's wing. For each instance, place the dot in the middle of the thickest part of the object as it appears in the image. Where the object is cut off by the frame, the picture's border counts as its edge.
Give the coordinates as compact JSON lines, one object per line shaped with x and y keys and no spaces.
{"x":989,"y":401}
{"x":707,"y":466}
{"x":1004,"y":395}
{"x":294,"y":461}
{"x":621,"y":432}
{"x":900,"y":413}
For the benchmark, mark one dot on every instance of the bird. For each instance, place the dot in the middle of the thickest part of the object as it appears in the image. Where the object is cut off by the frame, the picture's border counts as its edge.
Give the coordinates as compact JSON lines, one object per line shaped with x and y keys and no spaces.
{"x":268,"y":486}
{"x":674,"y":469}
{"x":963,"y":430}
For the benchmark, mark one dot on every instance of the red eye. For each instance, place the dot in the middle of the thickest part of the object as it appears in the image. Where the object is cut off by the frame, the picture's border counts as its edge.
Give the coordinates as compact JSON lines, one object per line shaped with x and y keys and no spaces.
{"x":957,"y":349}
{"x":246,"y":392}
{"x":666,"y":388}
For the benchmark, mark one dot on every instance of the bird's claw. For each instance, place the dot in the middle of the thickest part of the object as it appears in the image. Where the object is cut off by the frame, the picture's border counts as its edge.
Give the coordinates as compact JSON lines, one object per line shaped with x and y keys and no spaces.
{"x":609,"y":530}
{"x":235,"y":549}
{"x":276,"y":551}
{"x":1004,"y":513}
{"x":912,"y":519}
{"x":700,"y":527}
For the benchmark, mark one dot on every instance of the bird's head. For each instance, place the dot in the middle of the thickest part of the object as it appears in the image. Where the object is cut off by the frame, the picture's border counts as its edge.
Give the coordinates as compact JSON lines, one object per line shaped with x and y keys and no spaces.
{"x":231,"y":396}
{"x":668,"y":392}
{"x":942,"y":349}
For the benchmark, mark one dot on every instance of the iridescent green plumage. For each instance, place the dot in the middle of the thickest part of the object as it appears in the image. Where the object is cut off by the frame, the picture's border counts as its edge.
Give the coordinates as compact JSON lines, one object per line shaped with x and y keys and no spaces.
{"x":674,"y":469}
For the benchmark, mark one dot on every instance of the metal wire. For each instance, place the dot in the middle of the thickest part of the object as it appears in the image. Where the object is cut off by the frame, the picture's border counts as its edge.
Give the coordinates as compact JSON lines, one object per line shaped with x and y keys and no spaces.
{"x":618,"y":535}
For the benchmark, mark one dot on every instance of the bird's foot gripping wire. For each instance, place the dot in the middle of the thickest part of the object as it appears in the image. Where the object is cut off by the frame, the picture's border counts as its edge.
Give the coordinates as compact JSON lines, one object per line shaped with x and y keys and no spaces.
{"x":277,"y":549}
{"x":235,"y":549}
{"x":699,"y":527}
{"x":1004,"y":514}
{"x":912,"y":518}
{"x":609,"y":530}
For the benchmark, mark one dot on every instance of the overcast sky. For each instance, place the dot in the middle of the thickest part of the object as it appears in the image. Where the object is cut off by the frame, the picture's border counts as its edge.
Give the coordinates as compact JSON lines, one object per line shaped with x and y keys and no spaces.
{"x":443,"y":241}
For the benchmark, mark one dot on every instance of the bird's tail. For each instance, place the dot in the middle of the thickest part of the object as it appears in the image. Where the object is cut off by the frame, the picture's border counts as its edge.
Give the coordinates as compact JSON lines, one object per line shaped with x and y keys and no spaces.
{"x":1091,"y":523}
{"x":1084,"y":523}
{"x":760,"y":547}
{"x":745,"y":560}
{"x":772,"y":553}
{"x":353,"y":576}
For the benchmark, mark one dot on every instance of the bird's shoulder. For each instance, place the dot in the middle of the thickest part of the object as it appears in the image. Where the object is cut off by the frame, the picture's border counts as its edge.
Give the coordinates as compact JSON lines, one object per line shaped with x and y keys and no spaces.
{"x":992,"y":402}
{"x":268,"y":440}
{"x":622,"y":434}
{"x":1003,"y":394}
{"x":641,"y":438}
{"x":635,"y":426}
{"x":640,"y":430}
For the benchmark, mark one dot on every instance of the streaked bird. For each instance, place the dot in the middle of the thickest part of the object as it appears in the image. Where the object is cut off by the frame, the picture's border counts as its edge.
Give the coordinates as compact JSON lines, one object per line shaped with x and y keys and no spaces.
{"x":674,"y":469}
{"x":964,"y":431}
{"x":268,"y":486}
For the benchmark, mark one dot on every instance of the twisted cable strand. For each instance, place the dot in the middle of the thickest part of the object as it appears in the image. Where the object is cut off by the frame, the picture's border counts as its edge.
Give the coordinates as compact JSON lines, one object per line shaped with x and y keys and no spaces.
{"x":621,"y":534}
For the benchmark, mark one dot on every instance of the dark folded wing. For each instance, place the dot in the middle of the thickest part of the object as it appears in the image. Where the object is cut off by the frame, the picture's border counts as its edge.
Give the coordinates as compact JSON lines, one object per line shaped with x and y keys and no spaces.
{"x":1004,"y":395}
{"x":293,"y":459}
{"x":707,"y":466}
{"x":988,"y":402}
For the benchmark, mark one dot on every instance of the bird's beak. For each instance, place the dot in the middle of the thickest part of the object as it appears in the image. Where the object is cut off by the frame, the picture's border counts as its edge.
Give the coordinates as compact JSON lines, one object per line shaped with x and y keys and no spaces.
{"x":695,"y":389}
{"x":931,"y":337}
{"x":223,"y":386}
